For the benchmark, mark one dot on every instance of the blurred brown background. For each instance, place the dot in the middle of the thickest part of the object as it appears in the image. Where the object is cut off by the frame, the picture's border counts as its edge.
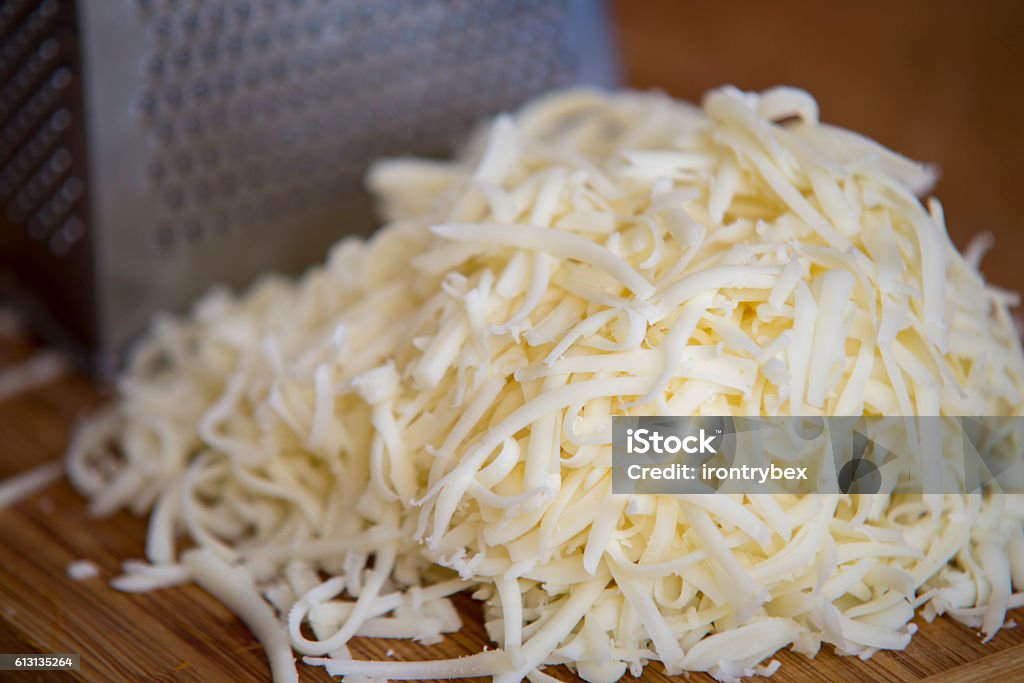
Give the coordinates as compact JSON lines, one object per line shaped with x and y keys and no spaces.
{"x":941,"y":81}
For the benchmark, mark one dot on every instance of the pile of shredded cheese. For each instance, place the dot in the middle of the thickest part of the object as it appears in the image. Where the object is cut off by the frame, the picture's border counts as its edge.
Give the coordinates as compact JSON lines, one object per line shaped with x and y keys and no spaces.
{"x":429,"y":411}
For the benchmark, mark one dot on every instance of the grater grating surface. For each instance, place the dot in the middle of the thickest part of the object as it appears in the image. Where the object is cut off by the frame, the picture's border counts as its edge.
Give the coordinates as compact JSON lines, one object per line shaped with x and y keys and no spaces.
{"x":43,"y":197}
{"x":270,"y":110}
{"x":228,"y":137}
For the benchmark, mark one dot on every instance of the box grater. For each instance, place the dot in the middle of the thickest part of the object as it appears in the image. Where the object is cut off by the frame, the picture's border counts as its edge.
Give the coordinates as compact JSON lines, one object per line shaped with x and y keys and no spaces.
{"x":149,"y":148}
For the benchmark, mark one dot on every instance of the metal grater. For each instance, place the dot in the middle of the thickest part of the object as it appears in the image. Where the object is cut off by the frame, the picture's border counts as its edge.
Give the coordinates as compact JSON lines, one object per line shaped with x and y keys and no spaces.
{"x":149,"y":148}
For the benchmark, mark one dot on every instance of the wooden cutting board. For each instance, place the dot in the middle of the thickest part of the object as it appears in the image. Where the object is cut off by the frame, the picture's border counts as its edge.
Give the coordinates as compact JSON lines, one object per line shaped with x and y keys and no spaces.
{"x":182,"y":634}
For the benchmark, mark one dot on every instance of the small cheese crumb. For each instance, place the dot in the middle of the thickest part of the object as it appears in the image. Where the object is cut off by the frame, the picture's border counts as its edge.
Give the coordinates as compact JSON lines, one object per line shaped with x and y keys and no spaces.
{"x":82,"y":570}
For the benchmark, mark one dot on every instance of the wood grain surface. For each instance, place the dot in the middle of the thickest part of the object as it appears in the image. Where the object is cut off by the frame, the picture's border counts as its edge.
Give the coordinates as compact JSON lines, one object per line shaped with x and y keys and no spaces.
{"x":181,"y":634}
{"x":940,"y":81}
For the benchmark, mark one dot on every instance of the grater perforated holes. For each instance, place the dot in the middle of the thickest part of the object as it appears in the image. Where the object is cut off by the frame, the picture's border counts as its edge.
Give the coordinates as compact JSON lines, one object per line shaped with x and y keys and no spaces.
{"x":217,"y":119}
{"x":47,"y":216}
{"x":235,"y":46}
{"x":62,"y":240}
{"x":30,"y":154}
{"x":200,"y":90}
{"x":154,"y":66}
{"x":279,"y":70}
{"x":33,"y":109}
{"x":314,"y":30}
{"x":164,"y":237}
{"x":174,"y":197}
{"x":190,"y":22}
{"x":160,"y":31}
{"x":191,"y":126}
{"x":156,"y":170}
{"x":192,"y":228}
{"x":253,"y":77}
{"x":201,"y":192}
{"x":59,"y":161}
{"x":209,"y":53}
{"x":261,"y":40}
{"x":71,"y":190}
{"x":161,"y":134}
{"x":226,"y":83}
{"x":242,"y":11}
{"x":210,"y":156}
{"x":182,"y":59}
{"x":37,"y":230}
{"x":40,"y":184}
{"x":228,"y":184}
{"x":213,"y":20}
{"x":218,"y":222}
{"x":73,"y":229}
{"x":172,"y":96}
{"x":26,"y":76}
{"x":9,"y":12}
{"x":183,"y":162}
{"x":46,"y":11}
{"x":288,"y":34}
{"x":145,"y":105}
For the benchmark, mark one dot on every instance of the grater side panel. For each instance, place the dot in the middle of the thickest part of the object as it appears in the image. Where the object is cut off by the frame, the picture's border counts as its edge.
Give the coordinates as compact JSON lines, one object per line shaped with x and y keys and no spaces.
{"x":230,"y":138}
{"x":590,"y":38}
{"x":45,"y":228}
{"x":132,"y":280}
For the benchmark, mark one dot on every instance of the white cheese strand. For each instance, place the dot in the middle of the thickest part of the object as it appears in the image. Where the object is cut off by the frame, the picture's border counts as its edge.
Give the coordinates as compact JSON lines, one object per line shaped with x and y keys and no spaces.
{"x":41,"y":369}
{"x":20,"y":487}
{"x":233,"y":586}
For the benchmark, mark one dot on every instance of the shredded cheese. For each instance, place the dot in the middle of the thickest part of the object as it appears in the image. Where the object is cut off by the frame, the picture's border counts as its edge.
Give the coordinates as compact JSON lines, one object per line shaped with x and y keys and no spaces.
{"x":429,"y":411}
